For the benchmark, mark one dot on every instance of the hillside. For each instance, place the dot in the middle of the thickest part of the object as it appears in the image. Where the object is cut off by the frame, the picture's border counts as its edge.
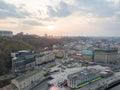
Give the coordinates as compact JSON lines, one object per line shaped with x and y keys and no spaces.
{"x":28,"y":42}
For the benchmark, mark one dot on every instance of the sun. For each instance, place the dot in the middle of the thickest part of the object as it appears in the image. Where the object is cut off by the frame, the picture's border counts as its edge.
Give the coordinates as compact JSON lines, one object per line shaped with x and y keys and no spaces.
{"x":51,"y":27}
{"x":54,"y":88}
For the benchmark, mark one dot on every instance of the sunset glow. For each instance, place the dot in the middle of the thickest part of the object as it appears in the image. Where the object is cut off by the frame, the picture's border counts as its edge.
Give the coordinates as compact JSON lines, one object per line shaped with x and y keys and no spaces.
{"x":54,"y":88}
{"x":51,"y":27}
{"x":61,"y":17}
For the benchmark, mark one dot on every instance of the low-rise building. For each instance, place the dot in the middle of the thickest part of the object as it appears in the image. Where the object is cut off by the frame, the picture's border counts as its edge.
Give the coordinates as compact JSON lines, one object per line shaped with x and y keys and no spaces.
{"x":27,"y":81}
{"x":59,"y":53}
{"x":87,"y":55}
{"x":22,"y":61}
{"x":76,"y":56}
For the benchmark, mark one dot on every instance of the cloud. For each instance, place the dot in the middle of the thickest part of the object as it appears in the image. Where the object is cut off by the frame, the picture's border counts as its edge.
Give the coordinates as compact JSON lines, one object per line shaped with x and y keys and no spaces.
{"x":48,"y":19}
{"x":32,"y":23}
{"x":100,"y":8}
{"x":9,"y":10}
{"x":115,"y":3}
{"x":62,"y":10}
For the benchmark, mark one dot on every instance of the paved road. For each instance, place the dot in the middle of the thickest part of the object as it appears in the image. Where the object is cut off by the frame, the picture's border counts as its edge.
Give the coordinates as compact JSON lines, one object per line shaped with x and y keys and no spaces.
{"x":116,"y":88}
{"x":42,"y":86}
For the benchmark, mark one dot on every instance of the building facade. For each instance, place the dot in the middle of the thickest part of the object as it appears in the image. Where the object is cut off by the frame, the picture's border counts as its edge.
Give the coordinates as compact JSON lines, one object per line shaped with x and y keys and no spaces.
{"x":44,"y":57}
{"x":6,"y":33}
{"x":79,"y":79}
{"x":22,"y":61}
{"x":87,"y":55}
{"x":27,"y":81}
{"x":106,"y":56}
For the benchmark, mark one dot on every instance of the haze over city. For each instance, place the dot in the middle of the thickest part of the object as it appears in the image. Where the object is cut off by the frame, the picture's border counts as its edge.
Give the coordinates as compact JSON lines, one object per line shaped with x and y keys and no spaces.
{"x":61,"y":17}
{"x":59,"y":45}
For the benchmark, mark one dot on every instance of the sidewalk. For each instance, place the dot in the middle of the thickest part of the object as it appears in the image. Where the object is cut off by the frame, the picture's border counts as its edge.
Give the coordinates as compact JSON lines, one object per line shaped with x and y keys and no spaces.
{"x":8,"y":87}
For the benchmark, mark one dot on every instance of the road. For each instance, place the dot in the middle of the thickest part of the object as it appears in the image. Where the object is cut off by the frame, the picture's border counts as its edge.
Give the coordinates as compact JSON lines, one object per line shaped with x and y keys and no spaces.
{"x":42,"y":86}
{"x":116,"y":88}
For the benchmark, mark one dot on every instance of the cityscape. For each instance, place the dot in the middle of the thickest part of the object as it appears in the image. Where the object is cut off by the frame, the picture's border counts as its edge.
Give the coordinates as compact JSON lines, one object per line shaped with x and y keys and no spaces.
{"x":59,"y":45}
{"x":79,"y":63}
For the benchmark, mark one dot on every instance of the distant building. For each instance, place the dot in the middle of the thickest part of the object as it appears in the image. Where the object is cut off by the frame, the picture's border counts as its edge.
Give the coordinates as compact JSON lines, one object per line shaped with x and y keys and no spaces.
{"x":59,"y":53}
{"x":20,"y":34}
{"x":22,"y":61}
{"x":27,"y":81}
{"x":87,"y":54}
{"x":106,"y":56}
{"x":46,"y":36}
{"x":6,"y":33}
{"x":76,"y":56}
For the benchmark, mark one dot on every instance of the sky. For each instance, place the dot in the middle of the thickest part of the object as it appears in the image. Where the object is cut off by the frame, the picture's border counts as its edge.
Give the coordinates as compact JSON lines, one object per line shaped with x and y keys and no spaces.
{"x":61,"y":17}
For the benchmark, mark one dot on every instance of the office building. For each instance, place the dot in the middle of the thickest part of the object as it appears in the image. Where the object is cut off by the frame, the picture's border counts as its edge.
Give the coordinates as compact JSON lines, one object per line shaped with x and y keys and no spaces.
{"x":108,"y":56}
{"x":22,"y":61}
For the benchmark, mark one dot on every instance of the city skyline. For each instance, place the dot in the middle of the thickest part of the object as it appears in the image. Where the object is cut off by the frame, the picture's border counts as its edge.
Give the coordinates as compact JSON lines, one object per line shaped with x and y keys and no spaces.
{"x":61,"y":17}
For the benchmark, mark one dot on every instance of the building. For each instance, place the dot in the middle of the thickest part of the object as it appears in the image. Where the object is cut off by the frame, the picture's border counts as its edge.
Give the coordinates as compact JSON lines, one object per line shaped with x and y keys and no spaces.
{"x":82,"y":78}
{"x":20,"y":34}
{"x":76,"y":56}
{"x":44,"y":57}
{"x":22,"y":61}
{"x":87,"y":55}
{"x":27,"y":81}
{"x":108,"y":56}
{"x":59,"y":53}
{"x":6,"y":33}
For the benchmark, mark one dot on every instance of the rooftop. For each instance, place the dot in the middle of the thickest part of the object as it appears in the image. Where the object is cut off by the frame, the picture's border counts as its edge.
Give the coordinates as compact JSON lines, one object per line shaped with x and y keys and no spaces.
{"x":27,"y":75}
{"x":106,"y":50}
{"x":82,"y":74}
{"x":24,"y":51}
{"x":87,"y":52}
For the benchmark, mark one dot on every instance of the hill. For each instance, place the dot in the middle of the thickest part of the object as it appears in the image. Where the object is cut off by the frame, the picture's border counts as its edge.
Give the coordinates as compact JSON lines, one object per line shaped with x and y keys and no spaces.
{"x":16,"y":43}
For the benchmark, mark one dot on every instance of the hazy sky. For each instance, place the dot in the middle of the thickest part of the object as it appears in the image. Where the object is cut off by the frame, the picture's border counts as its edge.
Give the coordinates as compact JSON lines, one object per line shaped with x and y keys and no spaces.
{"x":61,"y":17}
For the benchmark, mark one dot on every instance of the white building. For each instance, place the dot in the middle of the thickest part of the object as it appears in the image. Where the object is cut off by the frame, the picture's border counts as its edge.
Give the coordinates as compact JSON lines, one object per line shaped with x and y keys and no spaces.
{"x":6,"y":33}
{"x":44,"y":57}
{"x":25,"y":81}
